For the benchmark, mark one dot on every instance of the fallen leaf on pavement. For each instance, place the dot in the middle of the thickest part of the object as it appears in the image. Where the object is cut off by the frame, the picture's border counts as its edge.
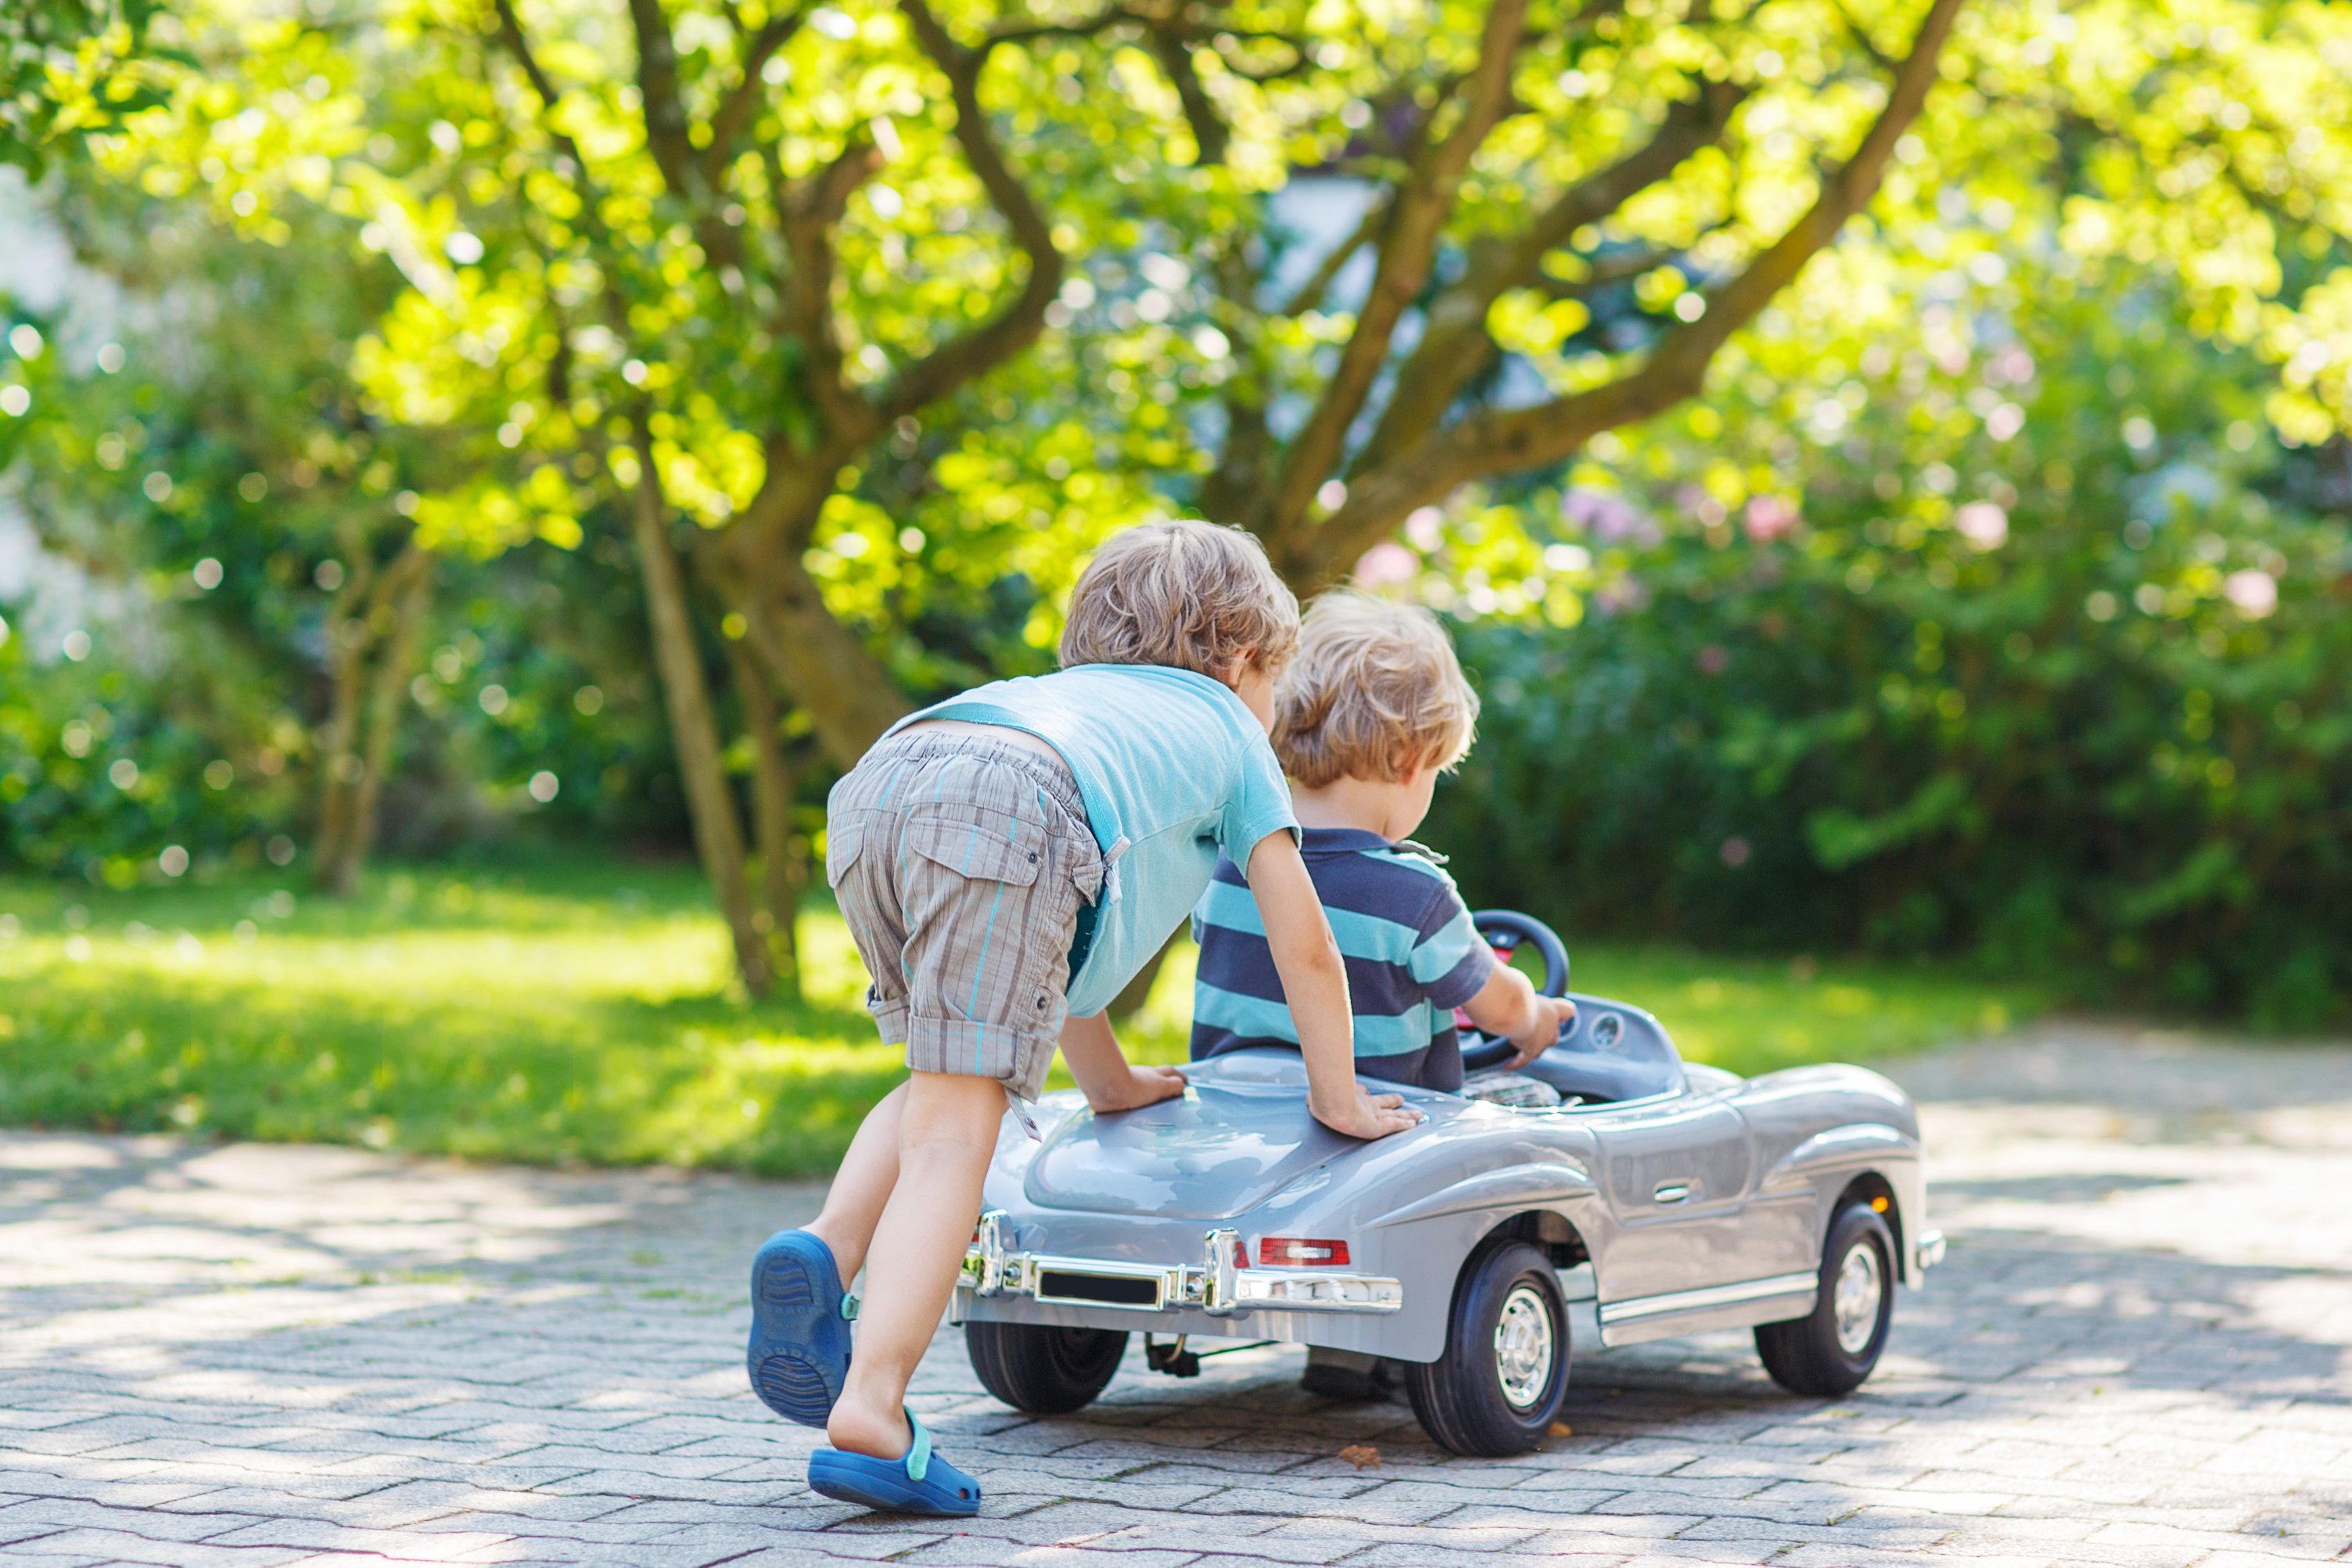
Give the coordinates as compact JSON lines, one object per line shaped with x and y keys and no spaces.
{"x":1363,"y":1456}
{"x":1561,"y":1429}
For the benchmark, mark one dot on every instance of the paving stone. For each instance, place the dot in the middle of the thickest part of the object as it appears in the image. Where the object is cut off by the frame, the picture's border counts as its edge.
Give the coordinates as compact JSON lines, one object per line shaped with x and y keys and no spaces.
{"x":2134,"y":1354}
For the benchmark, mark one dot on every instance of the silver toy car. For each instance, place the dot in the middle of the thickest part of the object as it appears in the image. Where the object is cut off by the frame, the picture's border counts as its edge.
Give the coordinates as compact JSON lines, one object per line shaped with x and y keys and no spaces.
{"x":1610,"y":1193}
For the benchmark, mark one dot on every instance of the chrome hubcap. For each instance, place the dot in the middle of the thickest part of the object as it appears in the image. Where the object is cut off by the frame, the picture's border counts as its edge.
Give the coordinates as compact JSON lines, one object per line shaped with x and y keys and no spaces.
{"x":1524,"y":1346}
{"x":1855,"y":1299}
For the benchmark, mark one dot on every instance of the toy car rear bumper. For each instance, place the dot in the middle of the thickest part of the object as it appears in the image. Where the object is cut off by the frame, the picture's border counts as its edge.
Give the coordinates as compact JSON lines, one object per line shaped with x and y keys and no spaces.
{"x":1219,"y":1284}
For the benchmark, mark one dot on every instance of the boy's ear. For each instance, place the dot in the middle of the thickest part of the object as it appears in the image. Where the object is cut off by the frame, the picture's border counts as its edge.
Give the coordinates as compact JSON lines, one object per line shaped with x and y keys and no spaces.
{"x":1231,"y":669}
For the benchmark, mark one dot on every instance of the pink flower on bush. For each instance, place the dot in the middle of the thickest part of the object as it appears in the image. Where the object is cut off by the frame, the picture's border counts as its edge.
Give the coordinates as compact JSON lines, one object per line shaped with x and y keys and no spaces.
{"x":1769,"y":517}
{"x":1386,"y":565}
{"x":1983,"y":524}
{"x":1623,"y":594}
{"x":2255,"y":593}
{"x":1611,"y":519}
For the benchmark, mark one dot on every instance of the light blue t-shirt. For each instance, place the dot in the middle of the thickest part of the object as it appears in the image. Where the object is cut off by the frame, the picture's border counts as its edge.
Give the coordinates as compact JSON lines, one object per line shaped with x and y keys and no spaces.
{"x":1173,"y":768}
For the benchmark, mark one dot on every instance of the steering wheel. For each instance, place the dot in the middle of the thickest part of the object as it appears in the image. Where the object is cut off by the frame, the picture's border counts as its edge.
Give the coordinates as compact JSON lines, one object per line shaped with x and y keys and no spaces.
{"x":1505,"y":930}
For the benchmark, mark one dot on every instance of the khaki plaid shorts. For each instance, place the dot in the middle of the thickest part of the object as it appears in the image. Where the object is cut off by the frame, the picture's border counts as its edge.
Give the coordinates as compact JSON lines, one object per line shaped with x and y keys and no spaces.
{"x":960,"y":863}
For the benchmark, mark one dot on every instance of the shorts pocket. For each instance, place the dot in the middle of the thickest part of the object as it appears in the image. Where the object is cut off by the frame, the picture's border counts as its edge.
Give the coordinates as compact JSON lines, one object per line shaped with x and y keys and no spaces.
{"x":1086,"y":862}
{"x":978,"y":842}
{"x":842,"y":842}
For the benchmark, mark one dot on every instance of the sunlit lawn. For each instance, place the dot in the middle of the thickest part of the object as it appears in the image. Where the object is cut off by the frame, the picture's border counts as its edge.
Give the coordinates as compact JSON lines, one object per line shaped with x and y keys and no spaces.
{"x":582,"y":1013}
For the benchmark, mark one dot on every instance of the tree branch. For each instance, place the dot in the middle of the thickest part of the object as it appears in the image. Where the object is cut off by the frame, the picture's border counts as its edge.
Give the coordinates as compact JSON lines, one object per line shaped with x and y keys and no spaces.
{"x":958,"y":359}
{"x":743,"y":100}
{"x":1453,"y":344}
{"x":1211,"y":135}
{"x":1326,"y":271}
{"x":807,"y":211}
{"x":1087,"y":27}
{"x":1422,"y":205}
{"x":664,"y":111}
{"x":510,"y":34}
{"x":1506,"y":440}
{"x":592,"y":217}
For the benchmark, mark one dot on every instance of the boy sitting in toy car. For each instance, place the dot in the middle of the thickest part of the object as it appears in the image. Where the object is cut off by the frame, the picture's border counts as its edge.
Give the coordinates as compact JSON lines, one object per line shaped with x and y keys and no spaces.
{"x":1372,"y":708}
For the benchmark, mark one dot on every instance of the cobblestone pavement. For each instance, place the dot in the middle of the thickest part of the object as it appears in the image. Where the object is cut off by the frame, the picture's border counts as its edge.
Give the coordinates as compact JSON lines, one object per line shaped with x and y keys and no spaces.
{"x":2138,"y":1351}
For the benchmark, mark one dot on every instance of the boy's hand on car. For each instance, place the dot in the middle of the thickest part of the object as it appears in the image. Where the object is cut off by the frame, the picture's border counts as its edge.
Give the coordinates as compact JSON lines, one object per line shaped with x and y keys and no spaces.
{"x":1137,"y":1086}
{"x":1553,"y":1014}
{"x":1366,"y":1116}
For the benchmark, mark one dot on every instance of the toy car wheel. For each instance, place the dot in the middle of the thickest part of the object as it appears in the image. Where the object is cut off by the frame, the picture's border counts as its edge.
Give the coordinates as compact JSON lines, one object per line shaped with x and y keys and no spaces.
{"x":1830,"y":1350}
{"x":1499,"y":1385}
{"x":1045,"y":1371}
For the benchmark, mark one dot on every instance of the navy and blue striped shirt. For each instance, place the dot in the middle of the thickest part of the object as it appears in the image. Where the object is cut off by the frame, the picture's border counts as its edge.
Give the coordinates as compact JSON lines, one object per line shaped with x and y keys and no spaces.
{"x":1412,"y":957}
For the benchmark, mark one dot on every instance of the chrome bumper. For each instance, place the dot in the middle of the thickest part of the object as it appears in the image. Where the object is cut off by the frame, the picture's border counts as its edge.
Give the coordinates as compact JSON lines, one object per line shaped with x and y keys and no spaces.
{"x":1928,"y":1252}
{"x":1216,"y":1285}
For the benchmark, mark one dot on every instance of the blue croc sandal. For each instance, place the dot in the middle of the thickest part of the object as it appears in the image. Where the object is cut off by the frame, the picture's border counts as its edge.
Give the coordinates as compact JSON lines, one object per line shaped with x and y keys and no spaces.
{"x":800,"y":1328}
{"x":918,"y":1482}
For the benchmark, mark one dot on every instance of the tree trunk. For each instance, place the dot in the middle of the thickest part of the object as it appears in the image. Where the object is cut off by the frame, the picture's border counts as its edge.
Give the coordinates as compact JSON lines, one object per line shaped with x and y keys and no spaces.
{"x":372,"y":636}
{"x":830,"y":673}
{"x":717,"y":833}
{"x":783,"y":871}
{"x":387,"y":689}
{"x":338,"y":764}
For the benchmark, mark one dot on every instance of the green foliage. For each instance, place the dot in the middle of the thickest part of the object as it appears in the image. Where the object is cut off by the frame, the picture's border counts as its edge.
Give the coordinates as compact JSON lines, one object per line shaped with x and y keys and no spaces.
{"x":71,"y":69}
{"x":193,"y":452}
{"x":2047,"y":669}
{"x":581,"y":1012}
{"x":126,"y":713}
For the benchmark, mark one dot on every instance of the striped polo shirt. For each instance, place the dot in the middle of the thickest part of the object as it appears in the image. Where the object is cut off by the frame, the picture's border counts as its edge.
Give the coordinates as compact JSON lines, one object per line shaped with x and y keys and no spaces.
{"x":1412,"y":957}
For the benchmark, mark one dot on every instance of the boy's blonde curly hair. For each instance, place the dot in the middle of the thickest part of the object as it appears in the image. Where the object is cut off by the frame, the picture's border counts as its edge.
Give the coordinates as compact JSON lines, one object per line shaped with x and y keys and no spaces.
{"x":1374,"y":693}
{"x":1185,"y":594}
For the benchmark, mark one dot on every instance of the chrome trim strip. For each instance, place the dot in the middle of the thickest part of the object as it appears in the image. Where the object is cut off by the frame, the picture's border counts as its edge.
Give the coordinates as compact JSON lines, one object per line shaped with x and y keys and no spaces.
{"x":1929,"y":1252}
{"x":1640,"y":1307}
{"x":1305,"y":1291}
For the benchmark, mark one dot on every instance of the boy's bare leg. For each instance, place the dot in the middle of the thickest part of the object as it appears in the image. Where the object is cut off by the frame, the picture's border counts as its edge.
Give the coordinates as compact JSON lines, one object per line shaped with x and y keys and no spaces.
{"x":853,"y":1205}
{"x":947,"y":1131}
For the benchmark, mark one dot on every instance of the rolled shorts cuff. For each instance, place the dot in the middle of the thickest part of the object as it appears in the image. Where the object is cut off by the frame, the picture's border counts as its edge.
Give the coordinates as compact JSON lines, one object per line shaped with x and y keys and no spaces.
{"x":1015,"y":1058}
{"x":891,"y":1018}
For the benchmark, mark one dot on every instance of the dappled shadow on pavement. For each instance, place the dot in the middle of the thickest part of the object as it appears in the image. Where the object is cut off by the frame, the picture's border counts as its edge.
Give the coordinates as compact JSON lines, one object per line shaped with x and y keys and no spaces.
{"x":2139,"y":1351}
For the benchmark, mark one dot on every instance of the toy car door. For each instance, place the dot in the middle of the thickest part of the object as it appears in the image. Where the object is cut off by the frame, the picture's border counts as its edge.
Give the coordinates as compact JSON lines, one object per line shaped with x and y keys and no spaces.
{"x":1676,"y":1176}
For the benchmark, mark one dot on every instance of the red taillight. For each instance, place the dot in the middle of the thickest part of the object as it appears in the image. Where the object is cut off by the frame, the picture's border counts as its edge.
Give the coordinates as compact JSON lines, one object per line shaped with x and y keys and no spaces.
{"x":1292,"y":1252}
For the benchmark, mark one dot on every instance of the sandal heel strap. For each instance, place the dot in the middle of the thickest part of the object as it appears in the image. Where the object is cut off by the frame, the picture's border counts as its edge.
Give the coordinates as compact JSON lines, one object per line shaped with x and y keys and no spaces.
{"x":919,"y":1452}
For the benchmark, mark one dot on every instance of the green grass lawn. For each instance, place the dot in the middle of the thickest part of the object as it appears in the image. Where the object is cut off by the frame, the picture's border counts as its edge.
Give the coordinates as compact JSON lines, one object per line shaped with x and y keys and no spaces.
{"x":582,"y":1013}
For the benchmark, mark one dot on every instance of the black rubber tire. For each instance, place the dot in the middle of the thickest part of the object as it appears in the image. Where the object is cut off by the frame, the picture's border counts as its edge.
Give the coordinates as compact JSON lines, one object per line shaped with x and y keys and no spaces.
{"x":1803,"y":1355}
{"x":1045,"y":1371}
{"x":1459,"y":1396}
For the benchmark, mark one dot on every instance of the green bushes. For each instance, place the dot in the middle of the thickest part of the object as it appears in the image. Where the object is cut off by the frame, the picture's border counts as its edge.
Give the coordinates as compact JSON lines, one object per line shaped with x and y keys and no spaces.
{"x":2060,"y":686}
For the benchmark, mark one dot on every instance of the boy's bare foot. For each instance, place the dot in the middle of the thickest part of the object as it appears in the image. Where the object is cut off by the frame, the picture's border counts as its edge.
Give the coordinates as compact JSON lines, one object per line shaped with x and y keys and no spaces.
{"x":876,"y":1433}
{"x":1138,"y":1086}
{"x":1367,"y":1115}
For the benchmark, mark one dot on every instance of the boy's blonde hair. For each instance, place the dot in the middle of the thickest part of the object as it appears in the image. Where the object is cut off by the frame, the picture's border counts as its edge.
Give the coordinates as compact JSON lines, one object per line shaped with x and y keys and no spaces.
{"x":1187,"y":593}
{"x":1374,"y":693}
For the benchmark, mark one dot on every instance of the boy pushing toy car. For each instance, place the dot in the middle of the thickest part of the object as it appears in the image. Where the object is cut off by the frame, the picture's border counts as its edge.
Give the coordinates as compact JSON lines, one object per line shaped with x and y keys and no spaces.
{"x":1006,"y":861}
{"x":1371,"y":711}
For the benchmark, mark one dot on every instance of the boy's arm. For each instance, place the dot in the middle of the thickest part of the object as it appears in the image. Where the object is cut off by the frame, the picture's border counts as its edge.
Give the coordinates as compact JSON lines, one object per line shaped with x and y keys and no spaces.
{"x":1110,"y":1082}
{"x":1508,"y":1005}
{"x":1314,"y":982}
